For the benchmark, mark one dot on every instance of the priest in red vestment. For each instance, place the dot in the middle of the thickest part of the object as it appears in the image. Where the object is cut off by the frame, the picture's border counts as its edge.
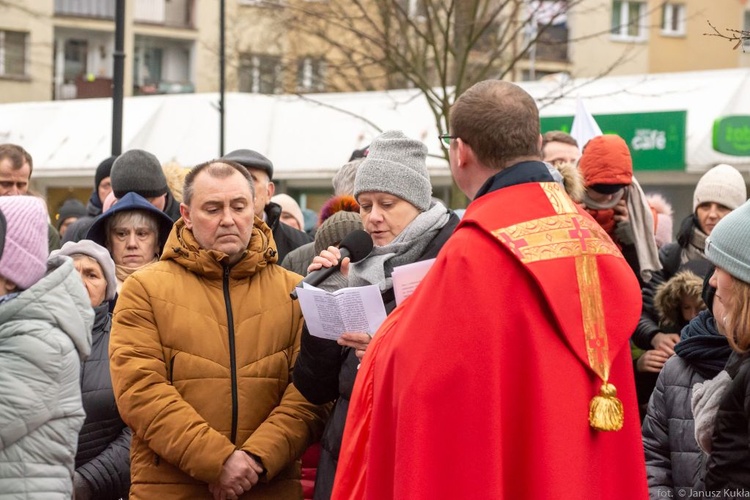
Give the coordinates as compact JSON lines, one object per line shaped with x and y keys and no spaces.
{"x":507,"y":374}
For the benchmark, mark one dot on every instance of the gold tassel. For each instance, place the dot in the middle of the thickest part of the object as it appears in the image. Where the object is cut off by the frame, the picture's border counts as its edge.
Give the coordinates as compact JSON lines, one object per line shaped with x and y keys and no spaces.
{"x":605,"y":410}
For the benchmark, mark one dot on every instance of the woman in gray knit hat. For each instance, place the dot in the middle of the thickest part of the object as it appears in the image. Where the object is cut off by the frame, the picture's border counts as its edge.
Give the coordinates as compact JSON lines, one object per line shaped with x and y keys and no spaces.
{"x":393,"y":189}
{"x":728,"y":466}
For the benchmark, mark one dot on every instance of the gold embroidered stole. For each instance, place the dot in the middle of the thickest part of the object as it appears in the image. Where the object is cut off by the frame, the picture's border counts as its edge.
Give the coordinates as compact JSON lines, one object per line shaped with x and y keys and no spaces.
{"x":569,"y":234}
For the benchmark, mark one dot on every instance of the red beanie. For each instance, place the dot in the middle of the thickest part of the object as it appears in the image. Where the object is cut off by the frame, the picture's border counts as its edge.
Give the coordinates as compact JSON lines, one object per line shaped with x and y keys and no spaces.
{"x":606,"y":160}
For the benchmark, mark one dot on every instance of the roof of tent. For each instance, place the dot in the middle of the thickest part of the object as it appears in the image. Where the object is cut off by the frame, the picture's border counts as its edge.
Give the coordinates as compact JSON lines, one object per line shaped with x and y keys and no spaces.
{"x":312,"y":136}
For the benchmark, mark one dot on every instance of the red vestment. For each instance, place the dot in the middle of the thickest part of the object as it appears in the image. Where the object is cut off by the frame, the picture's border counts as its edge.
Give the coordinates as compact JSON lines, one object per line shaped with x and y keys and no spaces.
{"x":479,"y":384}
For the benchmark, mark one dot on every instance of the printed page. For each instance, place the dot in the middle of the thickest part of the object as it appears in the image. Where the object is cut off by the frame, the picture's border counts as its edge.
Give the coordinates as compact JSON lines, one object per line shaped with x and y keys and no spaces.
{"x":407,"y":277}
{"x":329,"y":314}
{"x":361,"y":308}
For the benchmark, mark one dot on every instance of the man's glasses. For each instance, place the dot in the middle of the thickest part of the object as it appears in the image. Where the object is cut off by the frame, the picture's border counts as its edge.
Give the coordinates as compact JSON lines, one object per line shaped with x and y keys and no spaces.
{"x":446,"y":138}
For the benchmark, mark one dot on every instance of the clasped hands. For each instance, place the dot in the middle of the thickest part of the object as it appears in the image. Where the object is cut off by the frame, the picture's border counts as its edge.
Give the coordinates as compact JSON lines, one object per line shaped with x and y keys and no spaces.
{"x":238,"y":475}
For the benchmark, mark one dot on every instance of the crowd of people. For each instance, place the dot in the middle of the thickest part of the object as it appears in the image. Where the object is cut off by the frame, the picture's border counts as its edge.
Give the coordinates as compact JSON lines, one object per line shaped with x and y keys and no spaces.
{"x":562,"y":345}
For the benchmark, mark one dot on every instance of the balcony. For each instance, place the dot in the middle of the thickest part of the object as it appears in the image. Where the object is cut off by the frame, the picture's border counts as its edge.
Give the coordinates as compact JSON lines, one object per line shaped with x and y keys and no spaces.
{"x":84,"y":88}
{"x":164,"y":87}
{"x":94,"y":9}
{"x":170,"y":13}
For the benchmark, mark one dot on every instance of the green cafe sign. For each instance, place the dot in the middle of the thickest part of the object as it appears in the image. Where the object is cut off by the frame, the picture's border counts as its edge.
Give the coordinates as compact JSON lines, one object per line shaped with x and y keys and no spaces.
{"x":731,"y":135}
{"x":656,"y":140}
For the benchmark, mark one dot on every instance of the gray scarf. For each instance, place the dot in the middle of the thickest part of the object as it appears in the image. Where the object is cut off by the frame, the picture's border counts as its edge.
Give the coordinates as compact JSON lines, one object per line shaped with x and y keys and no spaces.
{"x":696,"y":248}
{"x":406,"y":248}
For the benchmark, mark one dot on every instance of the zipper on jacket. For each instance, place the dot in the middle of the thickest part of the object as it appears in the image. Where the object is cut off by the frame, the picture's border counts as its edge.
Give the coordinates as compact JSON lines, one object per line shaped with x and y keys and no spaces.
{"x":232,"y":357}
{"x":171,"y":369}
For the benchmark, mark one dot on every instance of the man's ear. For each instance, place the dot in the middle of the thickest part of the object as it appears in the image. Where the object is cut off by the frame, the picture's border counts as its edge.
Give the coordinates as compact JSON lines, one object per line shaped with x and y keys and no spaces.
{"x":539,"y":145}
{"x":185,"y":213}
{"x":465,"y":154}
{"x":271,"y":189}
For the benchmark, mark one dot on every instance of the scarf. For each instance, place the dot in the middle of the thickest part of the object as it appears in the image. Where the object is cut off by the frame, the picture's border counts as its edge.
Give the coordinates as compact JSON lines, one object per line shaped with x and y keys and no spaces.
{"x":122,"y":272}
{"x":642,"y":226}
{"x":406,"y":248}
{"x":603,"y":213}
{"x":702,"y":346}
{"x":695,"y":250}
{"x":638,"y":231}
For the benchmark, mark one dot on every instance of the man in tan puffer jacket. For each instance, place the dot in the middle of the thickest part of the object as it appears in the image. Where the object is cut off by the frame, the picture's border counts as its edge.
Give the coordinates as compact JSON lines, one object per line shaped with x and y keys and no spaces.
{"x":202,"y":348}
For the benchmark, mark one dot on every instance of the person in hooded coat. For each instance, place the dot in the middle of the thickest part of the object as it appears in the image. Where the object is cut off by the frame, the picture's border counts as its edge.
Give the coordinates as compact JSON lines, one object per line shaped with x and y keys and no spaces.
{"x":45,"y":334}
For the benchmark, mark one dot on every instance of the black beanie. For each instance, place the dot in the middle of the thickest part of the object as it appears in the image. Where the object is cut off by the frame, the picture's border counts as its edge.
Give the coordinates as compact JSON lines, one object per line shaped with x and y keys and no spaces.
{"x":138,"y":171}
{"x":70,"y":208}
{"x":103,"y":171}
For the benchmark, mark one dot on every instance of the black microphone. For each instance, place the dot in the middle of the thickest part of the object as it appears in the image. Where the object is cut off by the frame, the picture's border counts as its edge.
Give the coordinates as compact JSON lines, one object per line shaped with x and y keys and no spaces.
{"x":356,"y":245}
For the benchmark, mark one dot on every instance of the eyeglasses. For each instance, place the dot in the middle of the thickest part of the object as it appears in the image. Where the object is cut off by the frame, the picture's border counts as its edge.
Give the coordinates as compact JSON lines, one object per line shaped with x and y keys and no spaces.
{"x":446,"y":138}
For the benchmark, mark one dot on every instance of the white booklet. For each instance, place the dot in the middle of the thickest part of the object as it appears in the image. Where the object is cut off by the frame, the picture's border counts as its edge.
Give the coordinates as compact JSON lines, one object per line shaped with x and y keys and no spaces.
{"x":329,"y":314}
{"x":407,"y":277}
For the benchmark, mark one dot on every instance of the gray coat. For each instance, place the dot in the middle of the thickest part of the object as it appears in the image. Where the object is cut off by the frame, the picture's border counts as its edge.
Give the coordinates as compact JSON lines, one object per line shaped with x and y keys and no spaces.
{"x":674,"y":461}
{"x":44,"y":333}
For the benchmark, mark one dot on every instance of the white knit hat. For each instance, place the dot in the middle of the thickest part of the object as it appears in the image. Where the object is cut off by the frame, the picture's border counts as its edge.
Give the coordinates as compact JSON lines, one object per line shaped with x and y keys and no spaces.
{"x":290,"y":205}
{"x":24,"y":259}
{"x":723,"y":184}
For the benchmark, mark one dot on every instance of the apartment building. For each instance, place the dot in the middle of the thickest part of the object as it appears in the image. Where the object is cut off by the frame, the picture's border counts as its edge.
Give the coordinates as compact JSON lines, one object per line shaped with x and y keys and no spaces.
{"x":64,"y":49}
{"x":626,"y":37}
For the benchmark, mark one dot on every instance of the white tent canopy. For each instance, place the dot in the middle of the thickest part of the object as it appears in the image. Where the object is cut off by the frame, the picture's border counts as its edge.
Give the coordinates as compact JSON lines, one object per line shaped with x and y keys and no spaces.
{"x":310,"y":137}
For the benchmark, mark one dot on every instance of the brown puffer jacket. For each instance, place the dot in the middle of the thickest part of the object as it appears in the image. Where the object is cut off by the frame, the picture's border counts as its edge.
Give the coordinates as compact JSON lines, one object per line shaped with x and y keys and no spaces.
{"x":185,"y":381}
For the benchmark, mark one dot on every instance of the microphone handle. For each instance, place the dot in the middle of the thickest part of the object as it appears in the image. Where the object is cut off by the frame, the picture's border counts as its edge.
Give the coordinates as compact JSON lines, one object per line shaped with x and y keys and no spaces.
{"x":318,"y":276}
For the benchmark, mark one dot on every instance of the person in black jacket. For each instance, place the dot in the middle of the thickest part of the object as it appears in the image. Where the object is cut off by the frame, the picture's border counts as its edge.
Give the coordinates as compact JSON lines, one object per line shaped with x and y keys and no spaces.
{"x":728,"y":465}
{"x":286,"y":237}
{"x":718,"y":192}
{"x":674,"y":461}
{"x":103,"y":457}
{"x":102,"y":187}
{"x":393,"y":189}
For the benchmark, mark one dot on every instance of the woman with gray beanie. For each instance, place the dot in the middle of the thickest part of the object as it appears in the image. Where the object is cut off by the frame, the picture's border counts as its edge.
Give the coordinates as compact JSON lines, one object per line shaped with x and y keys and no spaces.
{"x":103,"y":457}
{"x":728,"y":465}
{"x":392,"y":187}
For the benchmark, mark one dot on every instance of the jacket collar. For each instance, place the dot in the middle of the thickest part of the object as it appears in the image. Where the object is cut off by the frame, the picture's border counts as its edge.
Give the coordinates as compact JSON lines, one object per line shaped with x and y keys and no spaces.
{"x":273,"y":214}
{"x":520,"y":173}
{"x":182,"y":248}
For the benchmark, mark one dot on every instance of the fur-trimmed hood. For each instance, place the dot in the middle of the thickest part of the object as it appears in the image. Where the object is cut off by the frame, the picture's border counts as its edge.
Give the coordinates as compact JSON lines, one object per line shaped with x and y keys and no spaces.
{"x":669,"y":295}
{"x":572,"y":180}
{"x":663,"y":223}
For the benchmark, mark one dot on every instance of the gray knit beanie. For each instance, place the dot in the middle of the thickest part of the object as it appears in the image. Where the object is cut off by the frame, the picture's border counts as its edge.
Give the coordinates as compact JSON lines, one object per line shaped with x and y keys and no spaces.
{"x":138,"y":171}
{"x":397,"y":165}
{"x":723,"y":184}
{"x":99,"y":254}
{"x":335,"y":228}
{"x":728,"y":246}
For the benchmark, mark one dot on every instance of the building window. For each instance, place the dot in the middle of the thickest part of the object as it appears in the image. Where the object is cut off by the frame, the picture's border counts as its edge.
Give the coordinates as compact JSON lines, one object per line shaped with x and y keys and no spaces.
{"x":13,"y":53}
{"x":75,"y":61}
{"x":260,"y":74}
{"x":311,"y":75}
{"x":746,"y":27}
{"x":628,"y":19}
{"x":673,"y":19}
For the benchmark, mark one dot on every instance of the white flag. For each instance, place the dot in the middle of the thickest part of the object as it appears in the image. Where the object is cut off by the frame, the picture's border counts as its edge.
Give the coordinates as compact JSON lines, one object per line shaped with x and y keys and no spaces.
{"x":584,"y":126}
